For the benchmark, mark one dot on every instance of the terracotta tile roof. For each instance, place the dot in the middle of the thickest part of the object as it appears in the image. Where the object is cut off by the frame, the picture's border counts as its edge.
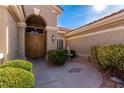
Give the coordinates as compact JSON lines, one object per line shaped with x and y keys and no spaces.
{"x":60,"y":7}
{"x":120,"y":11}
{"x":64,"y":29}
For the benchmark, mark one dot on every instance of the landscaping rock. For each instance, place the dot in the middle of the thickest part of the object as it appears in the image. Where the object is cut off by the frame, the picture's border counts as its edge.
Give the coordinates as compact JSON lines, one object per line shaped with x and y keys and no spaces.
{"x":117,"y":80}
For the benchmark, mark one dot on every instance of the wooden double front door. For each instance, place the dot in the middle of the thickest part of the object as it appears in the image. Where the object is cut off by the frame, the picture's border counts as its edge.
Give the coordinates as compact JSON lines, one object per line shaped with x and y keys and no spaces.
{"x":35,"y":45}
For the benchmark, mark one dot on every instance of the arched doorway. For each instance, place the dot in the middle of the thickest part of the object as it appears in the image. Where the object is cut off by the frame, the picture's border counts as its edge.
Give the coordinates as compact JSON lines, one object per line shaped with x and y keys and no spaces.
{"x":35,"y":37}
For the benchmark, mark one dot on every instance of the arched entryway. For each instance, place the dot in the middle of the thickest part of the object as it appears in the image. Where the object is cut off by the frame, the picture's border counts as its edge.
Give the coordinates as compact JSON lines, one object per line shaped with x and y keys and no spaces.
{"x":35,"y":37}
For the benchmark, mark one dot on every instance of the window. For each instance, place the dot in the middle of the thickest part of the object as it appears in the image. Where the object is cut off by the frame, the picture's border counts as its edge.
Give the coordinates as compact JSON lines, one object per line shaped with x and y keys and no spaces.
{"x":60,"y":43}
{"x":34,"y":30}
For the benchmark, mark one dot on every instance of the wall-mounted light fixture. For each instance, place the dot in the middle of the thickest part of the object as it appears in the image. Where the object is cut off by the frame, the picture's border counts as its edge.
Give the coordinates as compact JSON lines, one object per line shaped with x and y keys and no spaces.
{"x":53,"y":38}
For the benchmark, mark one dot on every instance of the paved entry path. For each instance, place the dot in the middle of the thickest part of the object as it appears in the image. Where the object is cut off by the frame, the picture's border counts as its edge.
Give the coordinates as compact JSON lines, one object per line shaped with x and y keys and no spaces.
{"x":71,"y":75}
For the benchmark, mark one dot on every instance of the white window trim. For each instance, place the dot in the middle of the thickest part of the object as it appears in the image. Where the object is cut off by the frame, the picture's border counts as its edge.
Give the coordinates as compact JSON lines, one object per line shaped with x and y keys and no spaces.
{"x":63,"y":41}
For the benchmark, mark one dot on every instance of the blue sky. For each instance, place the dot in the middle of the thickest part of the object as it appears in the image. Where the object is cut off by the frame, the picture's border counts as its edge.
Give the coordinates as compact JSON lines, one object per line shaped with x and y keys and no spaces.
{"x":75,"y":16}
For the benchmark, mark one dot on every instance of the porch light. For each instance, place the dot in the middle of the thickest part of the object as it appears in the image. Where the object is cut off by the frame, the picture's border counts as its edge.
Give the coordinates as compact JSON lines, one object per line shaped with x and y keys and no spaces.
{"x":53,"y":37}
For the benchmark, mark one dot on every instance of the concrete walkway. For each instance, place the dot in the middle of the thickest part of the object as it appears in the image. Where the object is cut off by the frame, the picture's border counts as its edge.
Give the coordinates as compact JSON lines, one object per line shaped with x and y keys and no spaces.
{"x":71,"y":75}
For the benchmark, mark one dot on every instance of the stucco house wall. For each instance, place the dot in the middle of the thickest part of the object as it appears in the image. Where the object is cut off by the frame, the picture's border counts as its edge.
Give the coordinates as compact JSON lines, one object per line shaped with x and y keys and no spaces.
{"x":12,"y":37}
{"x":12,"y":28}
{"x":82,"y":44}
{"x":107,"y":30}
{"x":45,"y":12}
{"x":51,"y":45}
{"x":99,"y":28}
{"x":60,"y":35}
{"x":51,"y":20}
{"x":3,"y":44}
{"x":8,"y":34}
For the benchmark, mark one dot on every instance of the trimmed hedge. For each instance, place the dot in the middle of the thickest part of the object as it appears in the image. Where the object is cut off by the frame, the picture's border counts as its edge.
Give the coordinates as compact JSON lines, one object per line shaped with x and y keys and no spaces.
{"x":94,"y":54}
{"x":109,"y":56}
{"x":11,"y":77}
{"x":57,"y":57}
{"x":18,"y":64}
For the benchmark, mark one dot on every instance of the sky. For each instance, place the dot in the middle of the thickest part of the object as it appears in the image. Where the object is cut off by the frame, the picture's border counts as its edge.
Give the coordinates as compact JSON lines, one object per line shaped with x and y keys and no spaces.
{"x":75,"y":16}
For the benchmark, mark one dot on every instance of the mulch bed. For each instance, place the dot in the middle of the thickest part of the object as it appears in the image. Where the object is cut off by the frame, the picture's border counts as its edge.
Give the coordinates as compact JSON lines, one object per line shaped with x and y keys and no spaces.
{"x":107,"y":82}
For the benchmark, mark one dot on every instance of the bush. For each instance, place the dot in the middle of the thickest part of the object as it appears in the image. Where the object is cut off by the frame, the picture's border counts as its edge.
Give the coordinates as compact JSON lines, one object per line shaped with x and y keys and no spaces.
{"x":11,"y":77}
{"x":18,"y":64}
{"x":94,"y":54}
{"x":57,"y":57}
{"x":109,"y":56}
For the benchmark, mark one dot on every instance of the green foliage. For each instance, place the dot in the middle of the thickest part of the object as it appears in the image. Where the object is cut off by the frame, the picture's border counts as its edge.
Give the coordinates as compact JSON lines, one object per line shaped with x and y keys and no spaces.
{"x":94,"y":54}
{"x":18,"y":64}
{"x":57,"y":57}
{"x":11,"y":77}
{"x":109,"y":56}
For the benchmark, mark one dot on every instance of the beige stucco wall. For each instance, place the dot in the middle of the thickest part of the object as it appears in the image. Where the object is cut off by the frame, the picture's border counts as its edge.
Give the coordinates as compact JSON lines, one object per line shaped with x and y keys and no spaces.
{"x":50,"y":19}
{"x":3,"y":31}
{"x":60,"y":35}
{"x":99,"y":28}
{"x":49,"y":16}
{"x":82,"y":45}
{"x":51,"y":45}
{"x":12,"y":37}
{"x":8,"y":34}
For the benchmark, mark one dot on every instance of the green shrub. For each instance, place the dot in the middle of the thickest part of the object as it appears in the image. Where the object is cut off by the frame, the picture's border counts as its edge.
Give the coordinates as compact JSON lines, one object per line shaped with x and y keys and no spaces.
{"x":11,"y":77}
{"x":18,"y":64}
{"x":57,"y":57}
{"x":94,"y":54}
{"x":110,"y":56}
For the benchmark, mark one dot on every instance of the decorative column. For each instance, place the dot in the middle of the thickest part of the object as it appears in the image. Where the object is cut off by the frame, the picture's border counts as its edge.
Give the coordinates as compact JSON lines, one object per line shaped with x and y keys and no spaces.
{"x":21,"y":40}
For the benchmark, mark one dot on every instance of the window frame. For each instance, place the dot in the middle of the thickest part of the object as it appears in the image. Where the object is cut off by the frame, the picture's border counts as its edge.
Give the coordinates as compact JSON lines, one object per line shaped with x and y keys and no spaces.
{"x":63,"y":42}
